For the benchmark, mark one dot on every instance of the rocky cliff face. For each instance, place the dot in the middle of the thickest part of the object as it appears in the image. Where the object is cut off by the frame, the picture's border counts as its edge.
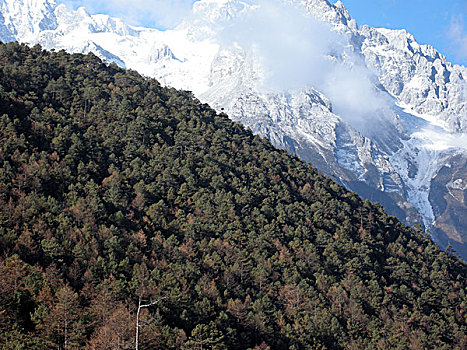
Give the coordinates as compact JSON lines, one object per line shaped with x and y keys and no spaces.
{"x":384,"y":115}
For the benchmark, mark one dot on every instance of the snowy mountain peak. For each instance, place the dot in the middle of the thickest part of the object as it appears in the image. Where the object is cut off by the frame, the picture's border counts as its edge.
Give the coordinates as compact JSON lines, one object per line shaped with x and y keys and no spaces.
{"x":81,"y":20}
{"x":218,"y":11}
{"x":24,"y":19}
{"x":337,"y":14}
{"x":28,"y":5}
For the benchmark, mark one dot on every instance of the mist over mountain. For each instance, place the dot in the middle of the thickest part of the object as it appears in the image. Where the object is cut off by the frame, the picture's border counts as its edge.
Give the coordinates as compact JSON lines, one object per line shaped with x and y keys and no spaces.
{"x":384,"y":115}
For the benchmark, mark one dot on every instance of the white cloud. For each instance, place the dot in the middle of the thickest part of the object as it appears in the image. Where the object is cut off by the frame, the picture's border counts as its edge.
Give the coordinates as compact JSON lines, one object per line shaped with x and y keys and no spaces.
{"x":154,"y":13}
{"x":458,"y":34}
{"x":293,"y":46}
{"x":296,"y":51}
{"x":352,"y":90}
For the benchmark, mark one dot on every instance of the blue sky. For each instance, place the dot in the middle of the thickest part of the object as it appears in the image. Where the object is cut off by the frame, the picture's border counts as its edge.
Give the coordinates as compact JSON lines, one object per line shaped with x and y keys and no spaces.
{"x":442,"y":24}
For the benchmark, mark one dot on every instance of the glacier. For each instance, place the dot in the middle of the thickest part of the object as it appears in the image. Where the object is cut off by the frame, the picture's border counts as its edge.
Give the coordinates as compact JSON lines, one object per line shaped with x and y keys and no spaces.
{"x":382,"y":114}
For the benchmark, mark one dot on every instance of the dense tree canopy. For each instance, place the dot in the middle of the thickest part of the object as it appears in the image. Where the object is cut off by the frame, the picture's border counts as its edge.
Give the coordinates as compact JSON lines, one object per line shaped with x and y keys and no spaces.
{"x":116,"y":192}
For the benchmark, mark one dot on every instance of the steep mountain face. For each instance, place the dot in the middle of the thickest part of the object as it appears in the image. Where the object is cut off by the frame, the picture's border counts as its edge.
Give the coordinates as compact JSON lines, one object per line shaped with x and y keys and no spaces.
{"x":384,"y":115}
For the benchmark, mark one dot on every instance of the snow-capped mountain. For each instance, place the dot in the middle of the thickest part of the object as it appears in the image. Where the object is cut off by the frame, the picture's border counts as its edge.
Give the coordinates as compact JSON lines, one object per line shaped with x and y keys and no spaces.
{"x":384,"y":115}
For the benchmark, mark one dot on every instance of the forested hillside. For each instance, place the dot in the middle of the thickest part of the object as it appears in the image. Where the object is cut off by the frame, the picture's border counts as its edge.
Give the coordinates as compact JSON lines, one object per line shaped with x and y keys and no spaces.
{"x":116,"y":192}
